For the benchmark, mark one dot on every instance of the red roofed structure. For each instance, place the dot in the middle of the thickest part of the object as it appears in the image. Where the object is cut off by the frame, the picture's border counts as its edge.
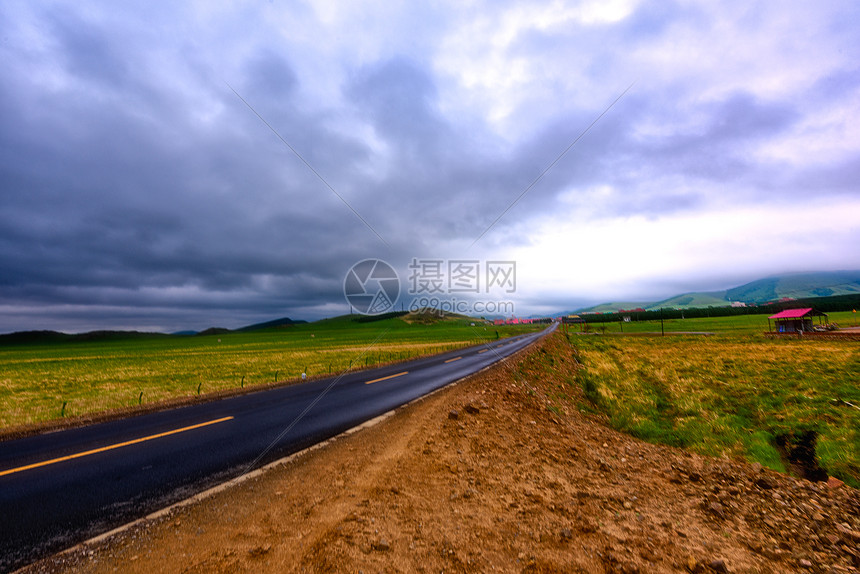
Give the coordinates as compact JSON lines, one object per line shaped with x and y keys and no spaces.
{"x":795,"y":320}
{"x":791,"y":313}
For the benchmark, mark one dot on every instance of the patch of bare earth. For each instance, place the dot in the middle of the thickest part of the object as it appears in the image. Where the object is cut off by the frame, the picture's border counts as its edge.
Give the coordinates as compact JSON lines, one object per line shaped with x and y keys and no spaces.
{"x":483,"y":477}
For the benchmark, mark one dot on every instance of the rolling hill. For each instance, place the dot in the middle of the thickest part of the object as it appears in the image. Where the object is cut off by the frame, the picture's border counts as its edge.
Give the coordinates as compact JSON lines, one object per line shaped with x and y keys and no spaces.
{"x":797,"y":286}
{"x":696,"y":299}
{"x":791,"y":286}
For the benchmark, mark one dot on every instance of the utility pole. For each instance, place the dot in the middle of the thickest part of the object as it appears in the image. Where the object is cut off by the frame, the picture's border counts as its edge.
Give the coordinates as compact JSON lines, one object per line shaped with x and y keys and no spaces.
{"x":662,"y":332}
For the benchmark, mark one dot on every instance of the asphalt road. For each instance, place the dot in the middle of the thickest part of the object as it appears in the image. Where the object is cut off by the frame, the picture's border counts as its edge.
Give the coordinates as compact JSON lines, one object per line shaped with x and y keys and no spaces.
{"x":61,"y":488}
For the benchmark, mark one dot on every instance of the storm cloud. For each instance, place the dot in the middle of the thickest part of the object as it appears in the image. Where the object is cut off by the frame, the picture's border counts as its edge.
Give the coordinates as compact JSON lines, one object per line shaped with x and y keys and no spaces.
{"x":186,"y":165}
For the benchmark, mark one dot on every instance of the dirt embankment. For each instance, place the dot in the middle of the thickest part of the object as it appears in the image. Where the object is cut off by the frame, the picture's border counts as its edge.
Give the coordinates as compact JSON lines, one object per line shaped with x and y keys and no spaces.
{"x":484,"y":477}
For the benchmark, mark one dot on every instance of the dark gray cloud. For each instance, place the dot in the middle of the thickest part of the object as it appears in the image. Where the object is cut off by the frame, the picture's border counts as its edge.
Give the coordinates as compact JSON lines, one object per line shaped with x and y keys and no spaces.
{"x":137,"y":190}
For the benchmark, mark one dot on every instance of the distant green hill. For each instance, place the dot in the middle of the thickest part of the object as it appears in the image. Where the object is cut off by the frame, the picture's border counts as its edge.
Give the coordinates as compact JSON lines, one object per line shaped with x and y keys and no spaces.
{"x":273,"y":324}
{"x":30,"y":337}
{"x":614,"y":306}
{"x":699,"y":299}
{"x":51,"y":337}
{"x":792,"y":286}
{"x":797,"y":286}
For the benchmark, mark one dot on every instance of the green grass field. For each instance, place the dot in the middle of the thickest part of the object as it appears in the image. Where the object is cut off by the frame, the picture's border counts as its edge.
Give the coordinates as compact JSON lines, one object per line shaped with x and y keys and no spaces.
{"x":752,"y":324}
{"x":733,"y":393}
{"x":42,"y":382}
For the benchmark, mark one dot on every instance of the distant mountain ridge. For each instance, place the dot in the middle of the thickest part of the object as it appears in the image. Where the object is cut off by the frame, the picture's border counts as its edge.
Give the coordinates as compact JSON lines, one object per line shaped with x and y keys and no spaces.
{"x":797,"y":286}
{"x":29,"y":337}
{"x":273,"y":324}
{"x":760,"y":291}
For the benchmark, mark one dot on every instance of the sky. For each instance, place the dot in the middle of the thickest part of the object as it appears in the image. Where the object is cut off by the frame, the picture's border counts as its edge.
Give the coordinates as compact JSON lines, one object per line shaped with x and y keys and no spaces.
{"x":181,"y":165}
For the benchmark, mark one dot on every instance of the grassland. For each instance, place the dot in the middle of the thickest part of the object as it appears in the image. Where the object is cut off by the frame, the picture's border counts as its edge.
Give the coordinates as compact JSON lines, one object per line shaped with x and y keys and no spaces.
{"x":43,"y":382}
{"x":740,"y":324}
{"x":735,"y":393}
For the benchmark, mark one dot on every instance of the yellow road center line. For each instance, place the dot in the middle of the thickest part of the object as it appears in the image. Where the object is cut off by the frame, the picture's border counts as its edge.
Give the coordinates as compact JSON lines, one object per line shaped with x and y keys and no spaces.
{"x":386,"y":378}
{"x":483,"y":351}
{"x":111,"y":447}
{"x":454,"y":359}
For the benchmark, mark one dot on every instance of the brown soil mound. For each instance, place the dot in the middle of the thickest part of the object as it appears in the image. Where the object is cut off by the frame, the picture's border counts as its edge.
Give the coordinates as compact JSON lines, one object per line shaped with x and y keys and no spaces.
{"x":484,"y":477}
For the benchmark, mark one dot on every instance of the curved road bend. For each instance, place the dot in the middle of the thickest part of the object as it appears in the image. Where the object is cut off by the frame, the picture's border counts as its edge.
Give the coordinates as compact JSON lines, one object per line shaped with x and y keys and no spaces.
{"x":58,"y":489}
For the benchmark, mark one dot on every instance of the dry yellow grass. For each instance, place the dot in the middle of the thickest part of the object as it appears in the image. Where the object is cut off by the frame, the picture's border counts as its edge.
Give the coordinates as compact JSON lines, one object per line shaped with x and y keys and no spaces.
{"x":43,"y":382}
{"x":731,"y":395}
